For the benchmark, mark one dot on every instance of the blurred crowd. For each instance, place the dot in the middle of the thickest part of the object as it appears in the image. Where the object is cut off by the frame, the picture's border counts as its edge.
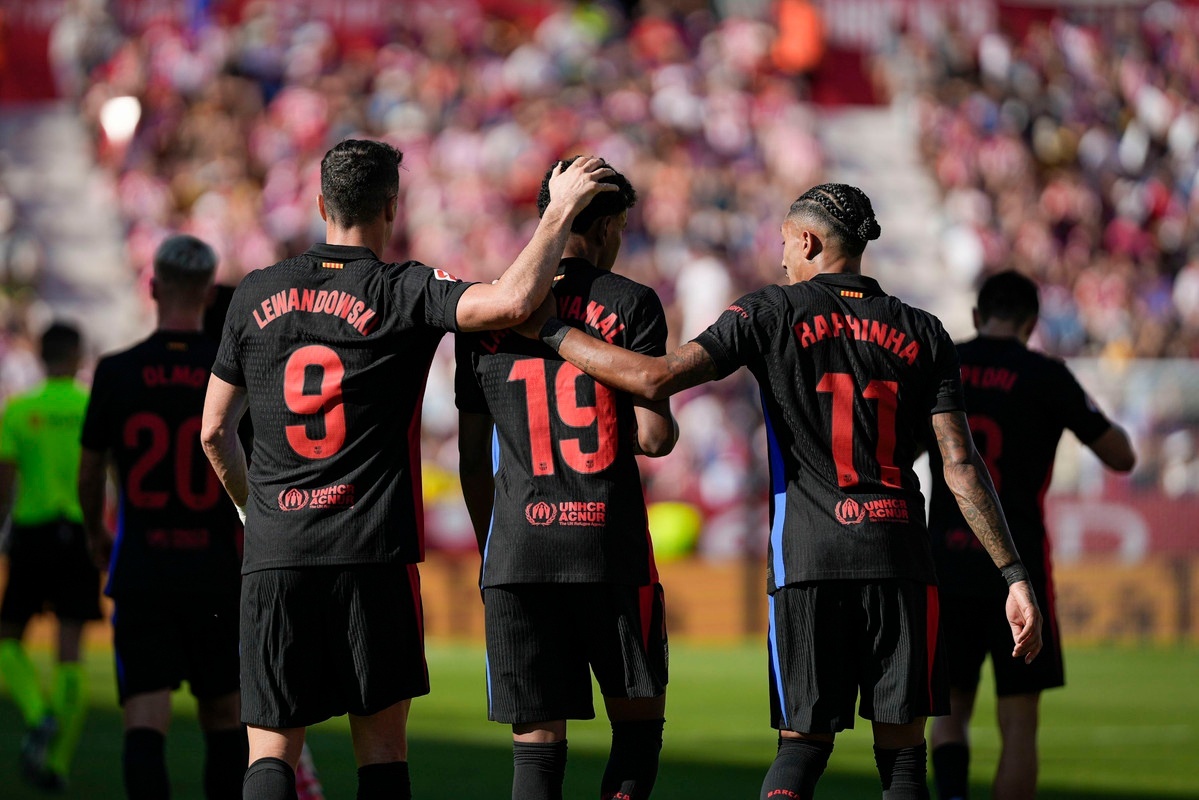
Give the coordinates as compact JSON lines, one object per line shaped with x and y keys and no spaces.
{"x":1054,"y":156}
{"x":1071,"y":154}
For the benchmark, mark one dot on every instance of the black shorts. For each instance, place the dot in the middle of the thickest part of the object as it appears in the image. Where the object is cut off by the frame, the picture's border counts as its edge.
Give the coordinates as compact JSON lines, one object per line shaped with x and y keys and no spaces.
{"x":319,"y":642}
{"x":828,"y":640}
{"x":543,"y":641}
{"x":976,"y":627}
{"x":160,"y":642}
{"x":50,"y":569}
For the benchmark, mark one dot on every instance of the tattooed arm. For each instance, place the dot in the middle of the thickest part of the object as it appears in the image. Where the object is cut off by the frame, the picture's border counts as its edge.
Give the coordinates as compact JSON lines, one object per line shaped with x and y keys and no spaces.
{"x":968,"y":479}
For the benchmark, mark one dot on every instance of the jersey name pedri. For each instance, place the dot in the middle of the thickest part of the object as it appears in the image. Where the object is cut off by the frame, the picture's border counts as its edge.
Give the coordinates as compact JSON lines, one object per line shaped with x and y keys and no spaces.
{"x":334,"y":349}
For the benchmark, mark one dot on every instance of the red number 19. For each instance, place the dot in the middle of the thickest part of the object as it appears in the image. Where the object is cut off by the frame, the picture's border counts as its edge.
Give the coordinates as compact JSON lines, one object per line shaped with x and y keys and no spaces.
{"x":602,"y":415}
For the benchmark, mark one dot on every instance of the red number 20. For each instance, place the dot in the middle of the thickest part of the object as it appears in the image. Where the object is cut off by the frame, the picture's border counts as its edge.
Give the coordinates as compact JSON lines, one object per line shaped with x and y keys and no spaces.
{"x":327,"y":401}
{"x":602,"y":415}
{"x":841,"y":386}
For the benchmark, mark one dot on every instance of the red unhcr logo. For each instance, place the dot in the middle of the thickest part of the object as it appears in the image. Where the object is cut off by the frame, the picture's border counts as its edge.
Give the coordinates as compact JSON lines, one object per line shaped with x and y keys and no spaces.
{"x":850,"y":512}
{"x":541,"y":513}
{"x":293,"y":499}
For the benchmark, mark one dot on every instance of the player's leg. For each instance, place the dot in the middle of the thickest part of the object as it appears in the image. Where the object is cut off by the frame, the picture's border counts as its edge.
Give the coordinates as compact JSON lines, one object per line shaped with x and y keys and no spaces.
{"x":25,"y":594}
{"x":1016,"y":778}
{"x":20,"y":674}
{"x":381,"y":751}
{"x":274,"y":753}
{"x":209,"y":630}
{"x":967,"y":634}
{"x":628,"y":652}
{"x":901,"y":757}
{"x":950,"y":742}
{"x":226,"y":745}
{"x":144,"y":763}
{"x":812,"y":666}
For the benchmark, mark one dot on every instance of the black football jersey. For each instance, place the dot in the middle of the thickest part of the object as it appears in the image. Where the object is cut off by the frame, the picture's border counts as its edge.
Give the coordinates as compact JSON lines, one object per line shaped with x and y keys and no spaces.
{"x":334,"y":348}
{"x":849,"y":377}
{"x":176,"y":528}
{"x":1018,"y":402}
{"x":569,"y":505}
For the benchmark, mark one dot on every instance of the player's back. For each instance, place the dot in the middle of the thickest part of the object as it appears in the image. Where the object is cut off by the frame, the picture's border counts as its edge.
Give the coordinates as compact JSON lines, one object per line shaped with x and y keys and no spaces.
{"x":176,"y":529}
{"x":569,"y":504}
{"x":39,"y":434}
{"x":849,"y":377}
{"x":334,"y":349}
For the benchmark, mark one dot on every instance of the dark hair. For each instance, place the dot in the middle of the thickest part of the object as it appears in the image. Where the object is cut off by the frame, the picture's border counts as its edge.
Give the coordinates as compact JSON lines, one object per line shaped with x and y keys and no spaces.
{"x":358,"y":179}
{"x":604,"y":204}
{"x":61,"y":344}
{"x":184,"y":261}
{"x":845,"y":212}
{"x":1009,"y":296}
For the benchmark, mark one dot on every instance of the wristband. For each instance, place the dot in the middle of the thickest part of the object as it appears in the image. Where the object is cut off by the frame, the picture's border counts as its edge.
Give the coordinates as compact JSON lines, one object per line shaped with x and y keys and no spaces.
{"x":553,"y":332}
{"x":1014,"y":572}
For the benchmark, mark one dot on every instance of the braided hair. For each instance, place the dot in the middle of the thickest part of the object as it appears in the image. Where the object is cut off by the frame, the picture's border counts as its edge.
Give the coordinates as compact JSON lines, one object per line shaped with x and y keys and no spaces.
{"x":845,"y":211}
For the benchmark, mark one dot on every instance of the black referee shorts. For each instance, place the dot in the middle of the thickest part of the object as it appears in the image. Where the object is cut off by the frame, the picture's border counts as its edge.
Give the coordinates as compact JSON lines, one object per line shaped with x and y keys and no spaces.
{"x":976,"y":627}
{"x":830,"y":641}
{"x":162,"y":641}
{"x":543,"y":641}
{"x":319,"y":642}
{"x":50,"y":569}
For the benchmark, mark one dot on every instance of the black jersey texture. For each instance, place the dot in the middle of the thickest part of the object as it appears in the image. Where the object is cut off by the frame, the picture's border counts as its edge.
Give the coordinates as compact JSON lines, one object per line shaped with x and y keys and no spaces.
{"x":849,"y":377}
{"x":176,"y":527}
{"x":569,"y":505}
{"x":1019,"y":402}
{"x":334,"y":348}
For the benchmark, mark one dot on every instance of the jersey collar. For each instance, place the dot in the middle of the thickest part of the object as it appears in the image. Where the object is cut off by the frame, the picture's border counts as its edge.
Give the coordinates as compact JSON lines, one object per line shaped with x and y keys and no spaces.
{"x":859,"y":283}
{"x":339,"y":252}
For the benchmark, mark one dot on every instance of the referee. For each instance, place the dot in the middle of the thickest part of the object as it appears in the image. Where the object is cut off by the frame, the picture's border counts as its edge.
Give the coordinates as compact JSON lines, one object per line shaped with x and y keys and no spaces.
{"x":49,"y":564}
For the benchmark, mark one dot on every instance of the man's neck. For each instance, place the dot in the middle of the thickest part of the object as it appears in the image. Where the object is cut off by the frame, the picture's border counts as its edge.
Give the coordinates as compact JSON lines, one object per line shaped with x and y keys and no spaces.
{"x":371,"y":237}
{"x":1001,"y":329}
{"x":177,"y":319}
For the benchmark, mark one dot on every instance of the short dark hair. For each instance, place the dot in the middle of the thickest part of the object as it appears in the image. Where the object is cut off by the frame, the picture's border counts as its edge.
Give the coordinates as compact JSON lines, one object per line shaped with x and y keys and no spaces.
{"x":1009,"y":295}
{"x":358,"y":179}
{"x":61,"y":344}
{"x":604,"y":204}
{"x":845,"y":213}
{"x":185,"y":262}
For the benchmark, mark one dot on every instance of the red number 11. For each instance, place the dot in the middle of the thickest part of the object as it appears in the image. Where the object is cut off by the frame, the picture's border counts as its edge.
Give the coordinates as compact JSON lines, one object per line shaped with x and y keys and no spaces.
{"x":842,"y":386}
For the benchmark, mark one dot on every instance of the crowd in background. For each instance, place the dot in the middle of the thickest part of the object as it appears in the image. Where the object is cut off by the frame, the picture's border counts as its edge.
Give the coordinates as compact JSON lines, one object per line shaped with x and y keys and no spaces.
{"x":1054,"y":156}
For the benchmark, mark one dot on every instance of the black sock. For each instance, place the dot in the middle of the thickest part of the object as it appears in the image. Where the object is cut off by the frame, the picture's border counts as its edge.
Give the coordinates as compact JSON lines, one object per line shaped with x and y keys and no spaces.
{"x":384,"y":781}
{"x":538,"y":770}
{"x":796,"y":768}
{"x":269,"y":779}
{"x":903,"y":772}
{"x":633,"y":761}
{"x":225,"y":755}
{"x":951,"y":770}
{"x":145,"y":765}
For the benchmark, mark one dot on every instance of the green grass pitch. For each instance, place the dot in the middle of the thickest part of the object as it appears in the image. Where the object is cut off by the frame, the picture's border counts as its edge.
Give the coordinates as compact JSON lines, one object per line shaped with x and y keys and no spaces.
{"x":1126,"y":726}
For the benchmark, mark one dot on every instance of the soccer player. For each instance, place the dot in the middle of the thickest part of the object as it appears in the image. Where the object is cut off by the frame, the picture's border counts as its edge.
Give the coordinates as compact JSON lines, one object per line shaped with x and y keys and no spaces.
{"x":174,"y":573}
{"x":330,"y":351}
{"x":569,"y":581}
{"x":1019,"y":404}
{"x":849,"y":377}
{"x":49,"y":561}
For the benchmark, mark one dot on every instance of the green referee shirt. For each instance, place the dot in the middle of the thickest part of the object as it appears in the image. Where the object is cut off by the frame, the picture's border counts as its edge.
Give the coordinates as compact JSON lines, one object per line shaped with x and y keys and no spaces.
{"x":39,"y":434}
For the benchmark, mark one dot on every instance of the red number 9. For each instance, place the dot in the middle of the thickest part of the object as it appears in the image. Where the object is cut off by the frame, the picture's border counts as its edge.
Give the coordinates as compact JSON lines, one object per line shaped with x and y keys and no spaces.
{"x":327,"y":402}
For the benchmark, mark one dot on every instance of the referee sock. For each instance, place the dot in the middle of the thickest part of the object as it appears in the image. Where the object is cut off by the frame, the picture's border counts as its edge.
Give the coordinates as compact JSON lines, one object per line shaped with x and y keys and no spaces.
{"x":903,"y":772}
{"x":951,"y":770}
{"x":68,"y":703}
{"x":796,"y":769}
{"x":538,"y":770}
{"x":384,"y":781}
{"x":21,"y":676}
{"x":633,"y":761}
{"x":145,"y":765}
{"x":225,"y":755}
{"x":269,"y":779}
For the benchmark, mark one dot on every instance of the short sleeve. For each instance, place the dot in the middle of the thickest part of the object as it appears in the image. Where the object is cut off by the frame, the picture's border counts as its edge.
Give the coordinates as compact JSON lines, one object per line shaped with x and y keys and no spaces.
{"x":97,"y":429}
{"x":743,"y":332}
{"x":430,"y":295}
{"x":468,"y":394}
{"x":1079,"y":412}
{"x":228,"y":365}
{"x":946,"y":387}
{"x":649,"y":337}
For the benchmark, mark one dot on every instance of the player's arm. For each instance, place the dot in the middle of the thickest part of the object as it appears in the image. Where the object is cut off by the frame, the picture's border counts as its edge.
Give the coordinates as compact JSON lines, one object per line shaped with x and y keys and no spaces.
{"x":224,"y":405}
{"x":93,"y":478}
{"x":474,"y":470}
{"x":657,"y":430}
{"x":510,"y":300}
{"x":968,"y":479}
{"x":1114,"y":449}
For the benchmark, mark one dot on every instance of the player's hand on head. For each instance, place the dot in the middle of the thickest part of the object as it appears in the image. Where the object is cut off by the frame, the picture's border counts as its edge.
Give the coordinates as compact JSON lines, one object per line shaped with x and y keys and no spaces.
{"x":572,"y":188}
{"x":1025,"y":618}
{"x":531,"y":327}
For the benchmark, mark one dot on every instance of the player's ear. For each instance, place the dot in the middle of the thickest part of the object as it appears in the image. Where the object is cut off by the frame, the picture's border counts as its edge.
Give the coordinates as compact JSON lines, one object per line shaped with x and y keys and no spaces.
{"x":320,"y":206}
{"x":810,"y":244}
{"x":978,"y":318}
{"x":154,"y":289}
{"x":1026,"y":329}
{"x":391,"y":208}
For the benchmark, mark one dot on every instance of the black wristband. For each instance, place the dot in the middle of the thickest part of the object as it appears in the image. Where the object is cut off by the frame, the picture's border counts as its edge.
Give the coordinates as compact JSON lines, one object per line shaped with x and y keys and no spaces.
{"x":553,"y":332}
{"x":1014,"y":572}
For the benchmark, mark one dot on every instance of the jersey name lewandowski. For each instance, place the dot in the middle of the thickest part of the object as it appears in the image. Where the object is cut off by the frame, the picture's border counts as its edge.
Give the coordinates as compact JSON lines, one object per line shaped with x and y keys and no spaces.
{"x":569,"y":505}
{"x":334,"y":348}
{"x":849,"y":377}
